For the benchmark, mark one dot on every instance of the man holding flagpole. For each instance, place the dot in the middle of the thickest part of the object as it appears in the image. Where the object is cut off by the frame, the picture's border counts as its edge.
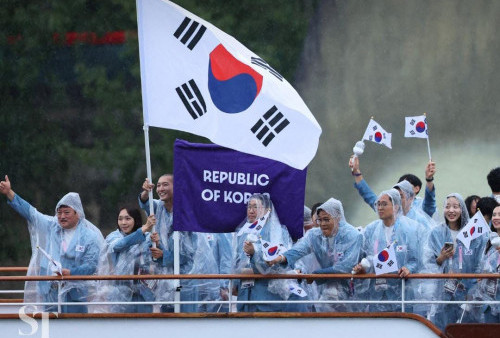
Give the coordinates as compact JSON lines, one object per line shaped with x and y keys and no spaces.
{"x":195,"y":253}
{"x":163,"y":252}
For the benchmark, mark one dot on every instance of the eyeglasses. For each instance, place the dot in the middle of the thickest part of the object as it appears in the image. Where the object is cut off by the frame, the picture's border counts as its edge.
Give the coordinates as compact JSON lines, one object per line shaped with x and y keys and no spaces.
{"x":323,"y":220}
{"x":252,"y":207}
{"x":382,"y":204}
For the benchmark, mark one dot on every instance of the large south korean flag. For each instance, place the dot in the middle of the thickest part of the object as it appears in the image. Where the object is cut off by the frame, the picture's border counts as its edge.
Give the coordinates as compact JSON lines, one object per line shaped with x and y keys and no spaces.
{"x":198,"y":79}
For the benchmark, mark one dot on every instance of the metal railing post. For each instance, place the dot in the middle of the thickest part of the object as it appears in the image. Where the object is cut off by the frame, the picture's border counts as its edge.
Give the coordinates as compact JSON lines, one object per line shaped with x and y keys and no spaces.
{"x":230,"y":296}
{"x":59,"y":297}
{"x":402,"y":295}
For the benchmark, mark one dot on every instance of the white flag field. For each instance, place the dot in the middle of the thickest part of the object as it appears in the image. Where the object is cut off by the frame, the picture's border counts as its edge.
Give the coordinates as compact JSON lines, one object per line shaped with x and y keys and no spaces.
{"x":375,"y":133}
{"x":386,"y":261}
{"x":416,"y":126}
{"x":271,"y":251}
{"x":198,"y":79}
{"x":476,"y":227}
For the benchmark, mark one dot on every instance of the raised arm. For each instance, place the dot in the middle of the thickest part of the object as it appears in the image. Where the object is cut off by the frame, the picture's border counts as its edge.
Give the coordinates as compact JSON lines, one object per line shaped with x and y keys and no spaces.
{"x":429,"y":203}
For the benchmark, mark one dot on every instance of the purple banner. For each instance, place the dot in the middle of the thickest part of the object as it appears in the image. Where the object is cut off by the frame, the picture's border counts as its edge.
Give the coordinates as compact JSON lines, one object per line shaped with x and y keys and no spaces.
{"x":212,"y":185}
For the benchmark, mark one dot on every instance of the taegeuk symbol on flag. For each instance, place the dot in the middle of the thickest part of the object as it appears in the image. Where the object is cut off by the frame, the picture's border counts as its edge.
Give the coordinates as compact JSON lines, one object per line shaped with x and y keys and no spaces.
{"x":386,"y":261}
{"x":375,"y":133}
{"x":198,"y":79}
{"x":476,"y":227}
{"x":272,"y":250}
{"x":416,"y":126}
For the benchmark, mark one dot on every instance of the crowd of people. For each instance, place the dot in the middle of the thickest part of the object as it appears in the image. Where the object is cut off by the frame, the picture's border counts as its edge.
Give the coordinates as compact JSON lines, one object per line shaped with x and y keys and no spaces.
{"x":68,"y":244}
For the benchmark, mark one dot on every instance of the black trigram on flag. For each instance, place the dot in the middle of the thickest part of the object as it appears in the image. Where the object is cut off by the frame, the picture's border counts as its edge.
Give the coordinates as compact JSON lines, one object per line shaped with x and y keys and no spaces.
{"x":375,"y":128}
{"x":193,"y":34}
{"x":191,"y":96}
{"x":412,"y":132}
{"x":263,"y":64}
{"x":269,"y":125}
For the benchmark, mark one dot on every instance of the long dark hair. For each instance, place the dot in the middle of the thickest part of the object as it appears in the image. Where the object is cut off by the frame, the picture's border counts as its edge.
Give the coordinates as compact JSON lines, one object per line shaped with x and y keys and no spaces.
{"x":135,"y":214}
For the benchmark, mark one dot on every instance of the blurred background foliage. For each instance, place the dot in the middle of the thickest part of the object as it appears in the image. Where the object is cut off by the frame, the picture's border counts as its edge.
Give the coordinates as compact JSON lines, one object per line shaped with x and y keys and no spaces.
{"x":71,"y":113}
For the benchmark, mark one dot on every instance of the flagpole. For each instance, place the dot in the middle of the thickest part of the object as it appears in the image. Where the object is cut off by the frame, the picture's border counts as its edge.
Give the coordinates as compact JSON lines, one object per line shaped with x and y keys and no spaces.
{"x":429,"y":148}
{"x":148,"y":172}
{"x":177,"y":295}
{"x":428,"y":144}
{"x":144,"y":91}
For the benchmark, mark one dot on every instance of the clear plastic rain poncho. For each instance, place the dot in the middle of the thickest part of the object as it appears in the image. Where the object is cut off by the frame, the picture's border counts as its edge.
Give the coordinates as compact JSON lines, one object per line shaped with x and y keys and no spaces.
{"x":463,"y":261}
{"x":308,"y":263}
{"x":377,"y":236}
{"x":487,"y":289}
{"x":195,"y":257}
{"x":414,"y":213}
{"x":126,"y":254}
{"x":51,"y":253}
{"x":203,"y":262}
{"x":422,"y":223}
{"x":266,"y":229}
{"x":335,"y":254}
{"x":220,"y":249}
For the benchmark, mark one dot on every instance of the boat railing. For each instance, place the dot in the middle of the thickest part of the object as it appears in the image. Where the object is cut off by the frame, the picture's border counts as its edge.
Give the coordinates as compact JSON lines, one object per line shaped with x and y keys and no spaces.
{"x":403,"y":301}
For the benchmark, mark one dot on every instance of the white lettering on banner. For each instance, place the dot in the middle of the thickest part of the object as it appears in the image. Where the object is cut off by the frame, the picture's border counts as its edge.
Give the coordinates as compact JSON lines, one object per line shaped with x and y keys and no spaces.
{"x":209,"y":195}
{"x":237,"y":197}
{"x":215,"y":176}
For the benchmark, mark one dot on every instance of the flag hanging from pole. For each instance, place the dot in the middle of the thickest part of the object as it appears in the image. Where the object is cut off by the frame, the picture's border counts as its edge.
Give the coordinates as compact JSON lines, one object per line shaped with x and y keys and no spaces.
{"x":198,"y":79}
{"x":375,"y":133}
{"x":416,"y":126}
{"x":386,"y":261}
{"x":476,"y":227}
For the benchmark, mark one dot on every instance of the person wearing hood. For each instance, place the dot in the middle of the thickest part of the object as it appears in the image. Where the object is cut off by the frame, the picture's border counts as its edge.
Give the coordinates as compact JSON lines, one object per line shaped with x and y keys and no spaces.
{"x":64,"y":244}
{"x":391,"y":227}
{"x":443,"y":253}
{"x":258,"y":238}
{"x":336,"y":246}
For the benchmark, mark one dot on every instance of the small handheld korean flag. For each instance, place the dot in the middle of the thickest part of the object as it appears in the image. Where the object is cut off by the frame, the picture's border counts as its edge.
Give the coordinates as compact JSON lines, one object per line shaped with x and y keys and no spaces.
{"x":198,"y":79}
{"x":476,"y":227}
{"x":385,"y":261}
{"x":416,"y":126}
{"x":271,"y":250}
{"x":375,"y":133}
{"x":254,"y":227}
